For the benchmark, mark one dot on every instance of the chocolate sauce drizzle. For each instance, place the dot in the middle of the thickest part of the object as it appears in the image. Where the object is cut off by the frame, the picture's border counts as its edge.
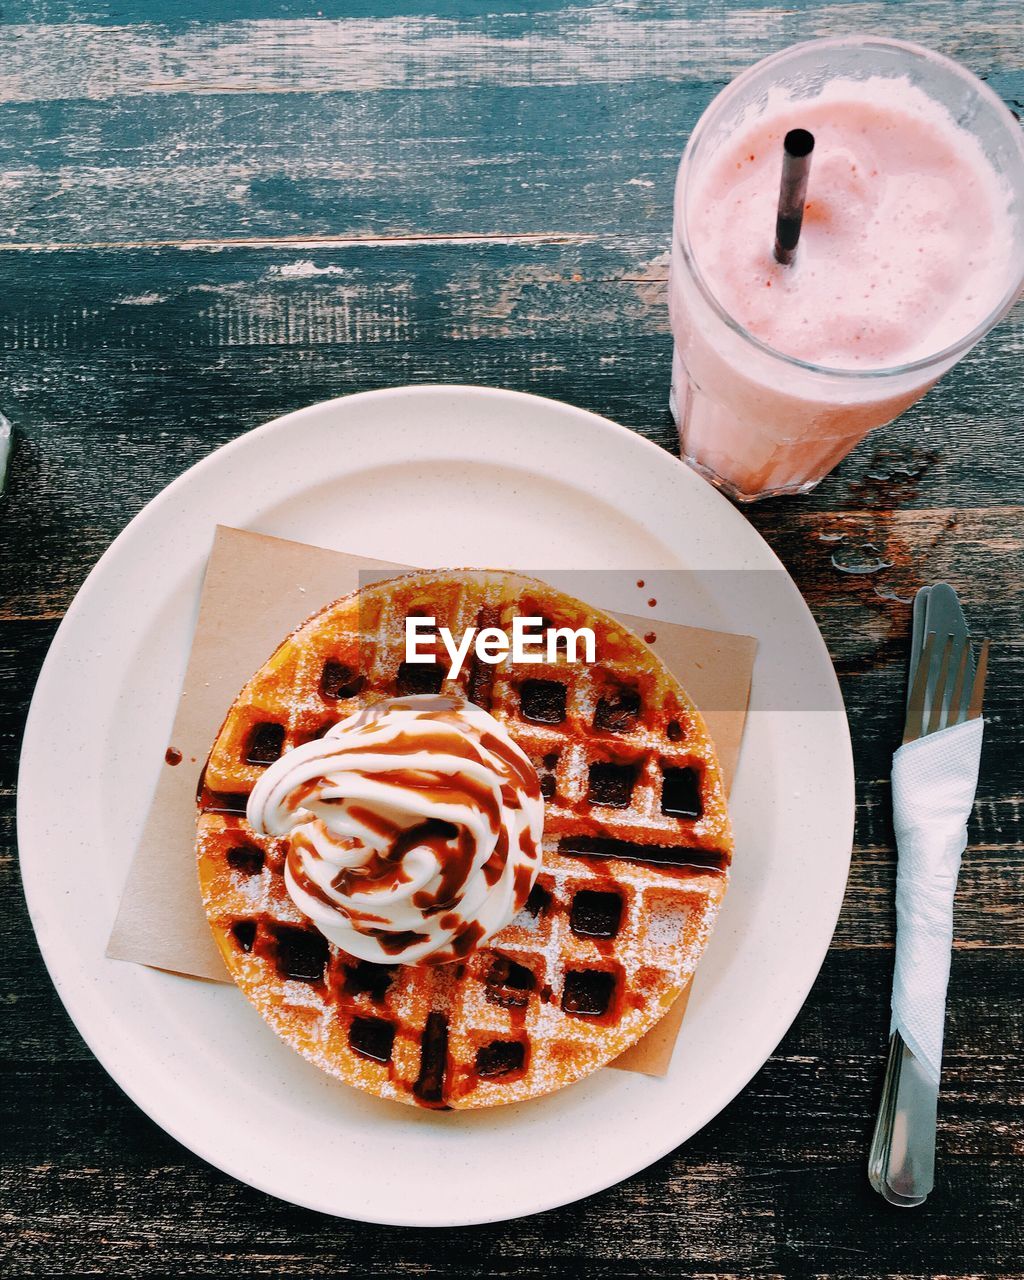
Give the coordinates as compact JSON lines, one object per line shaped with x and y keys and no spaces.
{"x":429,"y":1088}
{"x":683,"y":857}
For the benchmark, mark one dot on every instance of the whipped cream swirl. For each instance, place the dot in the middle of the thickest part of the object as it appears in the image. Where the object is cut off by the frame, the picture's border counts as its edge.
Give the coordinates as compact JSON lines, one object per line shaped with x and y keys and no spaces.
{"x":414,"y":829}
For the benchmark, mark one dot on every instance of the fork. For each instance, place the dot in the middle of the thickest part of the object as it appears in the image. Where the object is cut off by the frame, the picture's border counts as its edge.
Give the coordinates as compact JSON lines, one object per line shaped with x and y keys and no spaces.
{"x":945,"y":689}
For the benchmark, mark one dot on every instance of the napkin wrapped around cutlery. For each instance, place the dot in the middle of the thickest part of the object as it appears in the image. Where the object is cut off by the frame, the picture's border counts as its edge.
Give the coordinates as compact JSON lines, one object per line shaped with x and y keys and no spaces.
{"x":933,"y":784}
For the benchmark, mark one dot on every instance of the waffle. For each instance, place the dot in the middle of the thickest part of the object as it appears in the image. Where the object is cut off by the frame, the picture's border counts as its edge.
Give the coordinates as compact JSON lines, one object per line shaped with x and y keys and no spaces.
{"x":636,"y":851}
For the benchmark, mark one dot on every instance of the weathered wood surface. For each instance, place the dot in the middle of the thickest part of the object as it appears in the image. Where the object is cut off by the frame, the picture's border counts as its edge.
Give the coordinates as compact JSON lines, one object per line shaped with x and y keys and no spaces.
{"x":210,"y":220}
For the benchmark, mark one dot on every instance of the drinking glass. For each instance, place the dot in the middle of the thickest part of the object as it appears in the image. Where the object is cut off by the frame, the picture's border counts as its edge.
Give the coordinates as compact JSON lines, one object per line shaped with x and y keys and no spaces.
{"x":754,"y":421}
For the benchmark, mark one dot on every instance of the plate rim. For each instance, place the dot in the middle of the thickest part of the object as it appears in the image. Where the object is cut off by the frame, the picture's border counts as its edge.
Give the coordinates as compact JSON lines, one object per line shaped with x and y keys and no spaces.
{"x":93,"y":581}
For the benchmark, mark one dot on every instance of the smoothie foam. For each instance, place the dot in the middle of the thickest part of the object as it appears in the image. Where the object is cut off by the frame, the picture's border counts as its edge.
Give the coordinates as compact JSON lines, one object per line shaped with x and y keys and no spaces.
{"x":907,"y":234}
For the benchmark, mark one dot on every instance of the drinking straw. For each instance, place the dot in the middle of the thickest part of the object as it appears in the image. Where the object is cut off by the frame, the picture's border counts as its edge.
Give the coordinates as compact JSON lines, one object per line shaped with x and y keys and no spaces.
{"x":796,"y":165}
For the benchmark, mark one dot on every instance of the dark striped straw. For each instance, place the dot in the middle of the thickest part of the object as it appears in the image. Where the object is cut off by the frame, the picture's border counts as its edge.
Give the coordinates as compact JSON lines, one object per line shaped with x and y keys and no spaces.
{"x":796,"y":165}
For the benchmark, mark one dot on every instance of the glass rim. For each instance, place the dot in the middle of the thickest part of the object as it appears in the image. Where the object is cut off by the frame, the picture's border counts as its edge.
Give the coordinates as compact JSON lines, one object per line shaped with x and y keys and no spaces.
{"x":945,"y":354}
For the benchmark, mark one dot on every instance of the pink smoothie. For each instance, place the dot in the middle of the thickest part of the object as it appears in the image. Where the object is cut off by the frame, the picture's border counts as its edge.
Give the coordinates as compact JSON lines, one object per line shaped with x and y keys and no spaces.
{"x":906,"y":236}
{"x":906,"y":247}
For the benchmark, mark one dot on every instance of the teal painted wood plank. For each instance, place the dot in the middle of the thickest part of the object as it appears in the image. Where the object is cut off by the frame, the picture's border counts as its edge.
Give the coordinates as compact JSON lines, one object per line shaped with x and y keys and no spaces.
{"x":500,"y":16}
{"x":585,"y":159}
{"x":100,"y":141}
{"x":175,"y":15}
{"x":605,"y":42}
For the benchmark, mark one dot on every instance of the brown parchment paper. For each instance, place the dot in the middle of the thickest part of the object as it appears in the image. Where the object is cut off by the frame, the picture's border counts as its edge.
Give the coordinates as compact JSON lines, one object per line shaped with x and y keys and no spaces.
{"x":256,"y":590}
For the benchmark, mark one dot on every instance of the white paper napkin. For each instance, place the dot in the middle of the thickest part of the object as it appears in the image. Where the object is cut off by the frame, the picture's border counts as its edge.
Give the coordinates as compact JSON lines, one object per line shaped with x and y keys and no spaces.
{"x":933,"y":785}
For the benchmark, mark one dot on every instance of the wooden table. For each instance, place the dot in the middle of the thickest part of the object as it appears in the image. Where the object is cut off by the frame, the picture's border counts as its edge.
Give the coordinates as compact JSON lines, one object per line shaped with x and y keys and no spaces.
{"x":210,"y":221}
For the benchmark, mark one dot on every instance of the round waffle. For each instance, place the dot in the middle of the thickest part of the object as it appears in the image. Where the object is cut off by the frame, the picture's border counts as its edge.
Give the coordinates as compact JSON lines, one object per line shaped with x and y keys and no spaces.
{"x":636,"y":851}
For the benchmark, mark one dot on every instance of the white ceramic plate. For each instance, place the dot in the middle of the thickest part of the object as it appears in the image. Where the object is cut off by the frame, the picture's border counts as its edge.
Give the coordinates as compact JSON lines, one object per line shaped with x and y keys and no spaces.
{"x":431,"y":476}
